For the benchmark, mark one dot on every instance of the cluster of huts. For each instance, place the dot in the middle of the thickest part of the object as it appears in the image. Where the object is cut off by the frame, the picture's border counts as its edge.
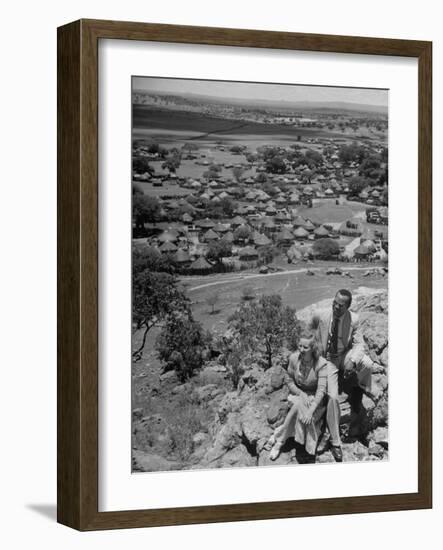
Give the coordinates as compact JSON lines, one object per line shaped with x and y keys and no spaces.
{"x":248,"y":238}
{"x":328,"y":180}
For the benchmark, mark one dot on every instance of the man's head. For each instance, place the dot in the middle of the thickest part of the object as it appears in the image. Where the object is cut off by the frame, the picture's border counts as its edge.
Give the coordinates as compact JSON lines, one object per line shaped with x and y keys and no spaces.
{"x":341,"y":303}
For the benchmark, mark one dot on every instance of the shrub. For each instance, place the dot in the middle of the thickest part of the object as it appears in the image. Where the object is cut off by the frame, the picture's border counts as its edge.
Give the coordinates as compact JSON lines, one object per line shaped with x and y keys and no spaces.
{"x":264,"y":325}
{"x":181,"y":344}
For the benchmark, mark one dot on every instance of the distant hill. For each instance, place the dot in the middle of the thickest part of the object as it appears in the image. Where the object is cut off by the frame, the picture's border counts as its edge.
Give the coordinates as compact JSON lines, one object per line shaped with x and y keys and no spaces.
{"x":306,"y":106}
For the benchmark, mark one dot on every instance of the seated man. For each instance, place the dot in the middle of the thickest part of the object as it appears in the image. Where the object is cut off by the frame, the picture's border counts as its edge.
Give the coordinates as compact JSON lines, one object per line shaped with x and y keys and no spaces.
{"x":342,"y":344}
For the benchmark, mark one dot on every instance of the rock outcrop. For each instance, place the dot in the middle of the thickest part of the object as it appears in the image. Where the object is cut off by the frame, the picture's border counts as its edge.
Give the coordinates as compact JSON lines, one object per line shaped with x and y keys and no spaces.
{"x":246,"y":418}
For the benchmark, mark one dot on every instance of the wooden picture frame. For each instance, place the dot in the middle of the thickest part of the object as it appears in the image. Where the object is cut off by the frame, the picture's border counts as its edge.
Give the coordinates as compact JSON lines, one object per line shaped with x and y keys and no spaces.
{"x":78,"y":274}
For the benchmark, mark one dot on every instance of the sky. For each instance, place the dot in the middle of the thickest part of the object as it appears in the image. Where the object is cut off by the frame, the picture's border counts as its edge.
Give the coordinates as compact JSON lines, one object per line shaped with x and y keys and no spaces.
{"x":257,"y":91}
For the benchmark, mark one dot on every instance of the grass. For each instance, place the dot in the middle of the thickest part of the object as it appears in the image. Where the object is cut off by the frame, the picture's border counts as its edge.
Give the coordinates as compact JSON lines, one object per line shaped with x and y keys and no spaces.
{"x":296,"y":289}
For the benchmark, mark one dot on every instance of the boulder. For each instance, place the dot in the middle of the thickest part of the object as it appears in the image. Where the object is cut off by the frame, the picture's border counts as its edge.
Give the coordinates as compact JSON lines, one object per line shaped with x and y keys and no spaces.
{"x":277,"y":410}
{"x":378,"y":416}
{"x":169,"y":377}
{"x":380,"y":437}
{"x":277,"y":378}
{"x":208,"y":392}
{"x":199,"y":438}
{"x":149,"y":462}
{"x":238,"y":457}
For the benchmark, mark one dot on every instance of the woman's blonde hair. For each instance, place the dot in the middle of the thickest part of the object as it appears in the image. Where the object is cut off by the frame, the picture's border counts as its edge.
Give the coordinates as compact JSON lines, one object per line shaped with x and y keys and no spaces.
{"x":310,"y":334}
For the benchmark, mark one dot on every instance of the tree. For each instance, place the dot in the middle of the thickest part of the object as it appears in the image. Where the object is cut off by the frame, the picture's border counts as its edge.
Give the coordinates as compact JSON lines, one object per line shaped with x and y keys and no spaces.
{"x":212,"y":172}
{"x":252,"y":157}
{"x":356,"y":185}
{"x":155,"y":296}
{"x":172,"y":164}
{"x":269,"y":188}
{"x":217,"y":250}
{"x":228,"y":207}
{"x":371,"y":168}
{"x":313,"y":158}
{"x":154,"y":148}
{"x":261,"y":178}
{"x":264,"y":325}
{"x":212,"y":300}
{"x":242,"y":233}
{"x":140,"y":165}
{"x":181,"y":344}
{"x":351,"y":153}
{"x":150,"y":258}
{"x":238,"y":172}
{"x":326,"y":249}
{"x":276,"y":165}
{"x":145,"y":209}
{"x":268,"y":252}
{"x":231,"y":356}
{"x":307,"y":175}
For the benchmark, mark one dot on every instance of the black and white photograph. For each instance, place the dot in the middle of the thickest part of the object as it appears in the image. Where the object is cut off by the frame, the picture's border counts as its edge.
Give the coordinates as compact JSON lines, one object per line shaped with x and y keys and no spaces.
{"x":259,"y":274}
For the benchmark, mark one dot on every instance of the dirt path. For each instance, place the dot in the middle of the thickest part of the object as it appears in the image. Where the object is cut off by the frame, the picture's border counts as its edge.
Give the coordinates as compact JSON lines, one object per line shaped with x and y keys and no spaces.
{"x":259,"y":275}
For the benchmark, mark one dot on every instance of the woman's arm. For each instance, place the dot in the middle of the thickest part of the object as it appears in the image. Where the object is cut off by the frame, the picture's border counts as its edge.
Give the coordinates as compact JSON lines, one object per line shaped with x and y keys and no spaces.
{"x":290,"y":376}
{"x":322,"y":381}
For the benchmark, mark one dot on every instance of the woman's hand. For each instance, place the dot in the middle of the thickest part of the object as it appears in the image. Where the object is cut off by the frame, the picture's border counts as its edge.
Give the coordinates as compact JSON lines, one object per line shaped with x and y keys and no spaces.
{"x":301,"y":396}
{"x":307,"y":417}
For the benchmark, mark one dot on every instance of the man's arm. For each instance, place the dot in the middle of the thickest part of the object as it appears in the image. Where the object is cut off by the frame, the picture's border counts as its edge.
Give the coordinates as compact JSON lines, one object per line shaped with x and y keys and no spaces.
{"x":357,"y":346}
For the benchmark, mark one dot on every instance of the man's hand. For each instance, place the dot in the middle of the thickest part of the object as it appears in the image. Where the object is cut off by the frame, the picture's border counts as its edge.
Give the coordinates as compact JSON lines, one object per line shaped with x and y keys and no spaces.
{"x":349,"y":368}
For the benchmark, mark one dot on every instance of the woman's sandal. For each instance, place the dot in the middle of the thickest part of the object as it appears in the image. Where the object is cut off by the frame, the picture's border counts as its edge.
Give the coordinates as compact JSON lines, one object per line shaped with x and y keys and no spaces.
{"x":275,"y":452}
{"x":270,"y":442}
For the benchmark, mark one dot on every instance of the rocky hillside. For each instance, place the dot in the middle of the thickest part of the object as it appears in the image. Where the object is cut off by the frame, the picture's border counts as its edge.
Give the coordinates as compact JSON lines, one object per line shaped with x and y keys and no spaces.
{"x":204,"y":424}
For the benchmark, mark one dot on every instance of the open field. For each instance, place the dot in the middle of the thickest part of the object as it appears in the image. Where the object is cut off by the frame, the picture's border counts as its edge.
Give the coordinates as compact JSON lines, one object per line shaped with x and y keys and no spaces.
{"x":296,"y":289}
{"x":146,"y":117}
{"x":197,"y":126}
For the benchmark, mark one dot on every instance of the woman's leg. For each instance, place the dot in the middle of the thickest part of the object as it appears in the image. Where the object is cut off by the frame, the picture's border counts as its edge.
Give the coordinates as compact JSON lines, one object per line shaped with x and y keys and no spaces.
{"x":285,"y":430}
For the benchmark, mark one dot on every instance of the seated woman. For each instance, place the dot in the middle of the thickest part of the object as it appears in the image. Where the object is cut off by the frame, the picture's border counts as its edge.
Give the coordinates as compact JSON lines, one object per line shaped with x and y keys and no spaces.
{"x":307,"y":383}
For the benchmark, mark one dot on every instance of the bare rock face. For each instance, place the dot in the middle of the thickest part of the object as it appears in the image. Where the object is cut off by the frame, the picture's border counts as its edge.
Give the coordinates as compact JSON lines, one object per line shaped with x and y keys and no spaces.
{"x":245,"y":418}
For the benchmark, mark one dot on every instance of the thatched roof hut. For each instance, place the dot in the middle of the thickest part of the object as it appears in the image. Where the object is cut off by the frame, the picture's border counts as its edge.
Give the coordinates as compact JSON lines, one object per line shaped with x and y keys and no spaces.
{"x":210,"y":235}
{"x":361,"y":251}
{"x":201,"y":264}
{"x":205,"y":224}
{"x":321,"y":232}
{"x":168,"y":236}
{"x":261,"y":240}
{"x":248,"y":253}
{"x":300,"y":233}
{"x":228,"y":237}
{"x":167,"y":247}
{"x":220,"y":228}
{"x":309,"y":226}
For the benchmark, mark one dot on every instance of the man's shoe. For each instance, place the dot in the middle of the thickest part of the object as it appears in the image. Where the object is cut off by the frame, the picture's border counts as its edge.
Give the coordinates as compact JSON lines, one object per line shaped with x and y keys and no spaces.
{"x":324,"y":443}
{"x":337,"y":453}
